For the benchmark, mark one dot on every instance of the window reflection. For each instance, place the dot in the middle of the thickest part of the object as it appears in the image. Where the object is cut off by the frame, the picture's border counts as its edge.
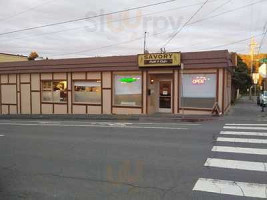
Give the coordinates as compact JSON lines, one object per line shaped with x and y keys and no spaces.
{"x":54,"y":91}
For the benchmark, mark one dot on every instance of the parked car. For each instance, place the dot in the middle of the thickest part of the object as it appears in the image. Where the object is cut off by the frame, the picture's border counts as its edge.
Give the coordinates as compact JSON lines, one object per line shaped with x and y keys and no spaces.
{"x":263,"y":99}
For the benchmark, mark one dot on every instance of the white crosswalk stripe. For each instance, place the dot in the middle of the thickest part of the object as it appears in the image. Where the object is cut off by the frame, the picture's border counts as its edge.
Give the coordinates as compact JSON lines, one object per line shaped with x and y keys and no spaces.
{"x":226,"y":139}
{"x":245,"y":127}
{"x":246,"y":124}
{"x":231,"y":187}
{"x":1,"y":135}
{"x":243,"y":133}
{"x":242,"y":140}
{"x":240,"y":150}
{"x":236,"y":164}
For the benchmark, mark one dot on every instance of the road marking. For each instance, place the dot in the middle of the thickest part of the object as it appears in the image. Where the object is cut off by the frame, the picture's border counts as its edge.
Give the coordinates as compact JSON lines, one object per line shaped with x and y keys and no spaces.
{"x":98,"y":122}
{"x":236,"y":164}
{"x":245,"y":128}
{"x":92,"y":125}
{"x":243,"y":133}
{"x":242,"y":140}
{"x":231,"y":188}
{"x":246,"y":124}
{"x":1,"y":135}
{"x":242,"y":150}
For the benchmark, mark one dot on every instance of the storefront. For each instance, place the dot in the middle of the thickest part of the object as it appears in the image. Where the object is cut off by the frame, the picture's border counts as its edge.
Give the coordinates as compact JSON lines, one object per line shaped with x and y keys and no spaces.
{"x":189,"y":83}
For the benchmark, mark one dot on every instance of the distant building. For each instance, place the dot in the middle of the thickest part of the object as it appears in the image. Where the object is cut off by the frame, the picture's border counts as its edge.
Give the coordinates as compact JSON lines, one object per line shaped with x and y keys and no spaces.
{"x":4,"y":57}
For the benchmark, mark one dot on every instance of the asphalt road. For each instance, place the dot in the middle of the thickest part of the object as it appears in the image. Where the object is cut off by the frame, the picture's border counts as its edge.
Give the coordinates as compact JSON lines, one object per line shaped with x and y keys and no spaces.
{"x":84,"y":160}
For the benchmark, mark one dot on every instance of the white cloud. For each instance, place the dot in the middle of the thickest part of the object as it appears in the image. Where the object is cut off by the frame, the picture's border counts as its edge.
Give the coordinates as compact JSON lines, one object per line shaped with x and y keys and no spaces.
{"x":92,"y":35}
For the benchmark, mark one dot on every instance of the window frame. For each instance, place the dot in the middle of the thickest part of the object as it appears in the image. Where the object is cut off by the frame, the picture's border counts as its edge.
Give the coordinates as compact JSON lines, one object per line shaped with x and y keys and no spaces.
{"x":198,"y":108}
{"x":53,"y":81}
{"x":87,"y":103}
{"x":113,"y":88}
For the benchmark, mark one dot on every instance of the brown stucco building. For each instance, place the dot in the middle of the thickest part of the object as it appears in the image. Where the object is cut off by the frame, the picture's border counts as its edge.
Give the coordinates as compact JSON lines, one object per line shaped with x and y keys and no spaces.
{"x":118,"y":85}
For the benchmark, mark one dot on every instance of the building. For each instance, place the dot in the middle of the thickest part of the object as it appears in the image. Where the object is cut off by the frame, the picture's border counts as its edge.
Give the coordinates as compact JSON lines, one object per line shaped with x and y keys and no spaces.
{"x":189,"y":83}
{"x":4,"y":57}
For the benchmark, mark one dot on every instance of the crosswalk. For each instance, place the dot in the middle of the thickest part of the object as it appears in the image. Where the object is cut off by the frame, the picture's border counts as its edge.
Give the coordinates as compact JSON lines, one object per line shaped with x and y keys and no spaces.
{"x":235,"y":144}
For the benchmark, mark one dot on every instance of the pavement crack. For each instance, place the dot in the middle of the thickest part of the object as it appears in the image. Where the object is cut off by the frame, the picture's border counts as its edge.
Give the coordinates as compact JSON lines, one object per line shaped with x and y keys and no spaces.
{"x":103,"y":181}
{"x":240,"y":189}
{"x":167,"y":191}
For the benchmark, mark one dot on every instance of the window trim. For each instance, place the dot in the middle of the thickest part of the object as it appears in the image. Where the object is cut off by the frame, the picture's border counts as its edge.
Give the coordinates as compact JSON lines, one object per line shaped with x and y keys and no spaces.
{"x":113,"y":89}
{"x":52,"y":102}
{"x":198,"y":108}
{"x":86,"y":103}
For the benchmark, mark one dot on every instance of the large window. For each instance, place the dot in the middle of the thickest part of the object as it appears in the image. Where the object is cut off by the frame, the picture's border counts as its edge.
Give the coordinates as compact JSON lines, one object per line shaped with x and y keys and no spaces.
{"x":54,"y":91}
{"x":127,"y":90}
{"x":87,"y":92}
{"x":198,"y":90}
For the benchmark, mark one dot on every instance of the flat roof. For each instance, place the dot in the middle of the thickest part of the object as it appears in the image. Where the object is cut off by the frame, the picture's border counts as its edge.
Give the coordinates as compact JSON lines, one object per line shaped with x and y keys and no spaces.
{"x":9,"y":54}
{"x":191,"y":60}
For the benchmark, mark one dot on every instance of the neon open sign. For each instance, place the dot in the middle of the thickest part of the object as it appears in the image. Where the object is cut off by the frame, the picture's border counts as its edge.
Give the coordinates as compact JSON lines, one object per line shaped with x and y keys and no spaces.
{"x":199,"y":80}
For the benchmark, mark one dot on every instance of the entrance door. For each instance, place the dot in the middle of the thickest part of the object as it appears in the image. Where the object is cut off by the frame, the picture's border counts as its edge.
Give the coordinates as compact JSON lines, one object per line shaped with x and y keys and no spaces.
{"x":165,"y":96}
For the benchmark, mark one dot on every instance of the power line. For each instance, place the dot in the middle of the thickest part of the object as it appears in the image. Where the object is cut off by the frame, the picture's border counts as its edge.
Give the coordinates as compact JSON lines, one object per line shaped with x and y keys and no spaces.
{"x":117,"y":44}
{"x":112,"y":45}
{"x":124,"y":19}
{"x":213,"y":16}
{"x":185,"y":24}
{"x":228,"y":11}
{"x":231,"y":43}
{"x":103,"y":47}
{"x":220,"y":6}
{"x":124,"y":42}
{"x":26,"y":10}
{"x":84,"y":18}
{"x":263,"y":37}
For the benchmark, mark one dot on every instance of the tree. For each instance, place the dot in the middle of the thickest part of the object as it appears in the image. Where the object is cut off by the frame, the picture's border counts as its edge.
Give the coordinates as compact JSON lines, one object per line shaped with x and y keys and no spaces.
{"x":33,"y":55}
{"x":241,"y":78}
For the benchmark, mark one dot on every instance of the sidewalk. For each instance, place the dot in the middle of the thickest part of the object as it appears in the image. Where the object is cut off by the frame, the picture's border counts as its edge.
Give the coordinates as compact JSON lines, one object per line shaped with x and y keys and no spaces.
{"x":246,"y":109}
{"x":162,"y":117}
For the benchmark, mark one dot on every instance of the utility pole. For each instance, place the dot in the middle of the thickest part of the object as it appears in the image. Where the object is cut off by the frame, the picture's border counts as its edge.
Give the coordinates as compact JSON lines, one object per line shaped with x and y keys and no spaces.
{"x":252,"y":47}
{"x":182,"y":89}
{"x":145,"y":42}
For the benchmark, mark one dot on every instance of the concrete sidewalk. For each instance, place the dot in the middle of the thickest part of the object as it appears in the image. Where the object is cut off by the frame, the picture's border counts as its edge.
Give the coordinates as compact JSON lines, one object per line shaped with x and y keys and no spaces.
{"x":246,"y":109}
{"x":243,"y":109}
{"x":154,"y":117}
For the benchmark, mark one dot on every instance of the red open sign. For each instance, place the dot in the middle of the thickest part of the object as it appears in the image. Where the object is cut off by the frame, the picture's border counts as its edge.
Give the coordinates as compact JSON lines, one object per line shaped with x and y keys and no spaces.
{"x":199,"y":80}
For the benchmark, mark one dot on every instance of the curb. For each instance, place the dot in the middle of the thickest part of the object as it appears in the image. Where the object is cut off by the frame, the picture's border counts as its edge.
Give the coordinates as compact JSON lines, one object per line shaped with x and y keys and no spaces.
{"x":160,"y":118}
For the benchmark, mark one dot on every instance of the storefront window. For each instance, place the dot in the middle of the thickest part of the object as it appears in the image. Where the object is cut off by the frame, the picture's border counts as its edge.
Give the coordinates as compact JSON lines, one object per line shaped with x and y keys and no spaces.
{"x":54,"y":91}
{"x":198,"y":90}
{"x":87,"y":92}
{"x":127,"y":90}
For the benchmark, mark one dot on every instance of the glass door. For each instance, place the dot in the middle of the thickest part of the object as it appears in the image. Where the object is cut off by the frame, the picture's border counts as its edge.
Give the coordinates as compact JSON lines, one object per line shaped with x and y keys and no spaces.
{"x":165,"y":96}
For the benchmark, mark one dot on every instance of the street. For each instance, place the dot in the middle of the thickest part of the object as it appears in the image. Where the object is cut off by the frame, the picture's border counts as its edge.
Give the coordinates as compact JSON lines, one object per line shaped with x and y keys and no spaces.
{"x":224,"y":158}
